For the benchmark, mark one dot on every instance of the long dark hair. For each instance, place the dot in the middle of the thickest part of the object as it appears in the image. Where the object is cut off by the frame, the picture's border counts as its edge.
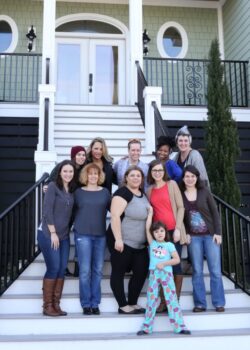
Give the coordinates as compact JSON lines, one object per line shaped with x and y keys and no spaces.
{"x":58,"y":180}
{"x":152,"y":164}
{"x":155,"y":226}
{"x":191,"y":169}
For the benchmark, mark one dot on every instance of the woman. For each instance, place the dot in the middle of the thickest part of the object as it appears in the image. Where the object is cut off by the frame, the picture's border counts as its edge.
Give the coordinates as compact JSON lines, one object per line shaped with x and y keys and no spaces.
{"x":134,"y":153}
{"x":203,"y":225}
{"x":166,"y":200}
{"x":91,"y":204}
{"x":127,"y":240}
{"x":164,"y":148}
{"x":187,"y":155}
{"x":53,"y":237}
{"x":98,"y":154}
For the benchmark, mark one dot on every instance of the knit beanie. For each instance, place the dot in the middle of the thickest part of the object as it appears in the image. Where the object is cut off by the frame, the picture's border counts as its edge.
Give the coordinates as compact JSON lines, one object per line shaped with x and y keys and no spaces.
{"x":183,"y":132}
{"x":75,"y":150}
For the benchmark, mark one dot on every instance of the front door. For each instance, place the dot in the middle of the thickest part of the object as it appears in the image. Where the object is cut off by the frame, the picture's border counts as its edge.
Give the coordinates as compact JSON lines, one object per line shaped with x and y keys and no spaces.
{"x":90,"y":71}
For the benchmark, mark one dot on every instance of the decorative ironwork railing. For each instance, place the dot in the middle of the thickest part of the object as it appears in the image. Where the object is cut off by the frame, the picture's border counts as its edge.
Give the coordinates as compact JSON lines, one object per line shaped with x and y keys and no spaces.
{"x":18,"y":227}
{"x":20,"y":75}
{"x":235,"y":245}
{"x":184,"y":81}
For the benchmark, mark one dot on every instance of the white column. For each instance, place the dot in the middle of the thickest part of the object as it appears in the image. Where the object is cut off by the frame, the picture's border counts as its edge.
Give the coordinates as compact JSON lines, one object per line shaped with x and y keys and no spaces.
{"x":136,"y":47}
{"x":150,"y":94}
{"x":49,"y":22}
{"x":221,"y":32}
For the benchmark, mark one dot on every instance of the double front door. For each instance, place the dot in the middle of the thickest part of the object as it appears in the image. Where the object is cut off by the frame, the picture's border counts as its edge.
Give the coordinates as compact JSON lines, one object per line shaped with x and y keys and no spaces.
{"x":90,"y":71}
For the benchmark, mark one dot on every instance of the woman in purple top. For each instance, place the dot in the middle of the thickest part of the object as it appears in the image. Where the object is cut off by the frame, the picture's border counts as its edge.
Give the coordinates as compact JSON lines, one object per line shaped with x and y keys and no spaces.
{"x":53,"y":236}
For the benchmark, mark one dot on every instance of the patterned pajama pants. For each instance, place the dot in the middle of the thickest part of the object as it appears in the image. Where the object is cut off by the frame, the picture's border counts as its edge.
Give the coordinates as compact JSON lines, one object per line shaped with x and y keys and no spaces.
{"x":164,"y":278}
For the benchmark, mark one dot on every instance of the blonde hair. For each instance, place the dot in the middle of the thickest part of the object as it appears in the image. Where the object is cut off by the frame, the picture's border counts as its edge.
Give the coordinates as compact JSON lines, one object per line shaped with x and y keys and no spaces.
{"x":104,"y":149}
{"x":83,"y":177}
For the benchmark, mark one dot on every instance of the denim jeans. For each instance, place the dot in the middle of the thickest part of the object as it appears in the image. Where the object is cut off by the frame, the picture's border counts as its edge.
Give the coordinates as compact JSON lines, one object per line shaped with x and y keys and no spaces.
{"x":90,"y":251}
{"x":55,"y":260}
{"x":200,"y":246}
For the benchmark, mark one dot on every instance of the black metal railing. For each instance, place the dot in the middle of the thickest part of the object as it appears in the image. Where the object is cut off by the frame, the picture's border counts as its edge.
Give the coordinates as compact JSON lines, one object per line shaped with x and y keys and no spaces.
{"x":18,"y":227}
{"x":141,"y":84}
{"x":160,"y":127}
{"x":235,"y":245}
{"x":184,"y":81}
{"x":20,"y":75}
{"x":46,"y":109}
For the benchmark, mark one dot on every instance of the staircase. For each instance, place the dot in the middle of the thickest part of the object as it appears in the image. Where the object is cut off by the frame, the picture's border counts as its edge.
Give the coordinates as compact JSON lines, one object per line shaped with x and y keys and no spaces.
{"x":22,"y":326}
{"x":78,"y":125}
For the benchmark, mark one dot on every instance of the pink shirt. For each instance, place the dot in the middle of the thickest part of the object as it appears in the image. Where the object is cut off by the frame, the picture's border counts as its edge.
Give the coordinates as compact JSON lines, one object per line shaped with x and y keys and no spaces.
{"x":161,"y":204}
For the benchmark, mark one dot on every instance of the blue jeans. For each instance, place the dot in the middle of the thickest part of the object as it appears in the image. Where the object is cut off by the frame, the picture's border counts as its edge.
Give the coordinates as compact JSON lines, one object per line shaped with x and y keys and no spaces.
{"x":55,"y":260}
{"x":90,"y":251}
{"x":200,"y":246}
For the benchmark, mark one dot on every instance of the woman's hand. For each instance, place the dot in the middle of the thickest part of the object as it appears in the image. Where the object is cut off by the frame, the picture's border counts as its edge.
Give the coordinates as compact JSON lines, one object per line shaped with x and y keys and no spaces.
{"x":119,"y":245}
{"x":54,"y":241}
{"x":176,"y":235}
{"x":217,"y":239}
{"x":188,"y":239}
{"x":160,"y":266}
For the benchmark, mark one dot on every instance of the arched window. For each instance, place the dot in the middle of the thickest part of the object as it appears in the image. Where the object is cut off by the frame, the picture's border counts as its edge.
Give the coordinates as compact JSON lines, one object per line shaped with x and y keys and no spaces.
{"x":172,"y":40}
{"x":88,"y":26}
{"x":8,"y":34}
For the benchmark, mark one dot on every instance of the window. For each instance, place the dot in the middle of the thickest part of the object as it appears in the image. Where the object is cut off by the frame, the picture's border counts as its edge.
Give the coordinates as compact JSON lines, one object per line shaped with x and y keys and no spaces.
{"x":86,"y":26}
{"x":172,"y":41}
{"x":8,"y":34}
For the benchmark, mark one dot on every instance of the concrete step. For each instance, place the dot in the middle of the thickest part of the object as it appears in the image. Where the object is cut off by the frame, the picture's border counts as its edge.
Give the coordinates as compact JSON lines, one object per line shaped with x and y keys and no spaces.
{"x":25,"y":284}
{"x":114,"y":323}
{"x":229,"y":339}
{"x":31,"y":303}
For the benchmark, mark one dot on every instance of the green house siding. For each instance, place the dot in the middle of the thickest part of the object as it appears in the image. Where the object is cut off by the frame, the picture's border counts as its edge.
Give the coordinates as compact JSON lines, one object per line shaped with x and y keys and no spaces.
{"x":201,"y":26}
{"x":236,"y":20}
{"x":25,"y":13}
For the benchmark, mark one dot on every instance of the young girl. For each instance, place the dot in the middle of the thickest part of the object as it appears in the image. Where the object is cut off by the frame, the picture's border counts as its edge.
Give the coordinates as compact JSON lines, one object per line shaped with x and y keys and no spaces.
{"x":162,"y":257}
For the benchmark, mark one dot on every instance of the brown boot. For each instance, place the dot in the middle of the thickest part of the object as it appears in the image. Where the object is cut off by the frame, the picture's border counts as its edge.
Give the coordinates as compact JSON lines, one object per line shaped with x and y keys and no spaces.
{"x":162,"y":306}
{"x":57,"y":296}
{"x":178,"y":285}
{"x":48,"y":291}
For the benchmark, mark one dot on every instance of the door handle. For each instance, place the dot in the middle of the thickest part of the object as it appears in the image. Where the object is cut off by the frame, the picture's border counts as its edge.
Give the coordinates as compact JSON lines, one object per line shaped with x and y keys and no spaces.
{"x":90,"y":82}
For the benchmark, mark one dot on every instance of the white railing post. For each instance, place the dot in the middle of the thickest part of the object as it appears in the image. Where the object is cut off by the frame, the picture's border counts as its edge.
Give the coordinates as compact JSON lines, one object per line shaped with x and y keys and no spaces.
{"x":150,"y":94}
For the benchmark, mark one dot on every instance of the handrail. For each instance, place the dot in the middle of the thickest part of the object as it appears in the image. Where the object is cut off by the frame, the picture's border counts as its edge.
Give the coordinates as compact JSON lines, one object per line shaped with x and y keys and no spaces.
{"x":160,"y":127}
{"x":236,"y":245}
{"x":141,"y":84}
{"x":47,"y":76}
{"x":18,"y":226}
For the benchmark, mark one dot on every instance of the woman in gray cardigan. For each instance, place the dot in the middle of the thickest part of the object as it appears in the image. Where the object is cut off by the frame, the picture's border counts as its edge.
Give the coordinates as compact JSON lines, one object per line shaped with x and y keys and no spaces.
{"x":203,"y":224}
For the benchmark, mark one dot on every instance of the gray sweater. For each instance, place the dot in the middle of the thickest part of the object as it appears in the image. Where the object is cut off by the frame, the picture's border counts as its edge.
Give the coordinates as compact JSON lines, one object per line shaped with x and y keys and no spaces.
{"x":57,"y":211}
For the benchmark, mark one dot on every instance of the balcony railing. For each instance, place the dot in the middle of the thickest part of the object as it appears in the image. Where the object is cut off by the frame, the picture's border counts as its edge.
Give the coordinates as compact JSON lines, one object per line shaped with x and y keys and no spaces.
{"x":184,"y":81}
{"x":20,"y":75}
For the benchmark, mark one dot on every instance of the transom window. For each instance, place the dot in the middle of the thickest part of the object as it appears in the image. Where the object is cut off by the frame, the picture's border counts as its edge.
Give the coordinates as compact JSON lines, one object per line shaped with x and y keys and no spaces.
{"x":86,"y":26}
{"x":172,"y":41}
{"x":8,"y":34}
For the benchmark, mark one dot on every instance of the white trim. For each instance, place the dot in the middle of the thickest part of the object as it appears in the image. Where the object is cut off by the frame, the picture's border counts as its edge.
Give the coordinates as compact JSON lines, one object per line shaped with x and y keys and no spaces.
{"x":220,"y":32}
{"x":94,"y":17}
{"x":184,"y":38}
{"x":14,"y":30}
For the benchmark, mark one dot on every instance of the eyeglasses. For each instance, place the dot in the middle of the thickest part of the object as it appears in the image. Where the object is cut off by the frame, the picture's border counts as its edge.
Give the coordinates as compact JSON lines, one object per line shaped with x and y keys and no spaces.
{"x":157,"y":170}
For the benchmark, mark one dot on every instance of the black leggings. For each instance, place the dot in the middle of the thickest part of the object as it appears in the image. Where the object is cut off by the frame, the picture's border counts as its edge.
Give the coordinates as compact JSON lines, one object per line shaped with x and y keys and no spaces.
{"x":138,"y":261}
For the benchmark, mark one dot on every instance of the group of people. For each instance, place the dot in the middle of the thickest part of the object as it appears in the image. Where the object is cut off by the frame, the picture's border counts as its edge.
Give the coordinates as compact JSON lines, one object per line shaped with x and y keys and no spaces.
{"x":157,"y":208}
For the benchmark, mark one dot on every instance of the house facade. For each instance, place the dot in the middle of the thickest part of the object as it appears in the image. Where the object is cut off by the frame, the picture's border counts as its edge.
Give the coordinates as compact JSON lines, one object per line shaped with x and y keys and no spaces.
{"x":83,"y":53}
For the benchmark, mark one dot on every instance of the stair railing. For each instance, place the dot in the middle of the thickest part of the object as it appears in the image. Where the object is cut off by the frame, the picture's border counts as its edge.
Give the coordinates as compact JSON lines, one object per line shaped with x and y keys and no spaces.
{"x":18,"y":228}
{"x":141,"y":84}
{"x":235,"y":245}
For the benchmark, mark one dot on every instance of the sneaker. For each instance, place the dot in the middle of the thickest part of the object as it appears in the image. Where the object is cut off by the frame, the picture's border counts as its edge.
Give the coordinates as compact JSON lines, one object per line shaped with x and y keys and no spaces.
{"x":142,"y":333}
{"x":185,"y":332}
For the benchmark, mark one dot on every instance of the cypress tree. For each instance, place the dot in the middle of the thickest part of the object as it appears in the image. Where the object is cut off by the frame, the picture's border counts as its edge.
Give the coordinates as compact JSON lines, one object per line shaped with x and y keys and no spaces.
{"x":222,"y":141}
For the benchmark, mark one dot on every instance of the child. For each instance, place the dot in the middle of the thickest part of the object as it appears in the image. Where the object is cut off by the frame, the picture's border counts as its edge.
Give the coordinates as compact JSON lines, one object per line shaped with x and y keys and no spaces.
{"x":162,"y":257}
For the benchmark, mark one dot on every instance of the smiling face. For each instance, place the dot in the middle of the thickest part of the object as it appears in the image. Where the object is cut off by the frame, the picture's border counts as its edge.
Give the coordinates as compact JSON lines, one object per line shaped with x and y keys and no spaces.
{"x":183,"y":143}
{"x":163,"y":153}
{"x":134,"y":179}
{"x":93,"y":176}
{"x":67,"y":173}
{"x":157,"y":172}
{"x":134,"y":152}
{"x":159,"y":234}
{"x":80,"y":158}
{"x":97,"y":151}
{"x":189,"y":179}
